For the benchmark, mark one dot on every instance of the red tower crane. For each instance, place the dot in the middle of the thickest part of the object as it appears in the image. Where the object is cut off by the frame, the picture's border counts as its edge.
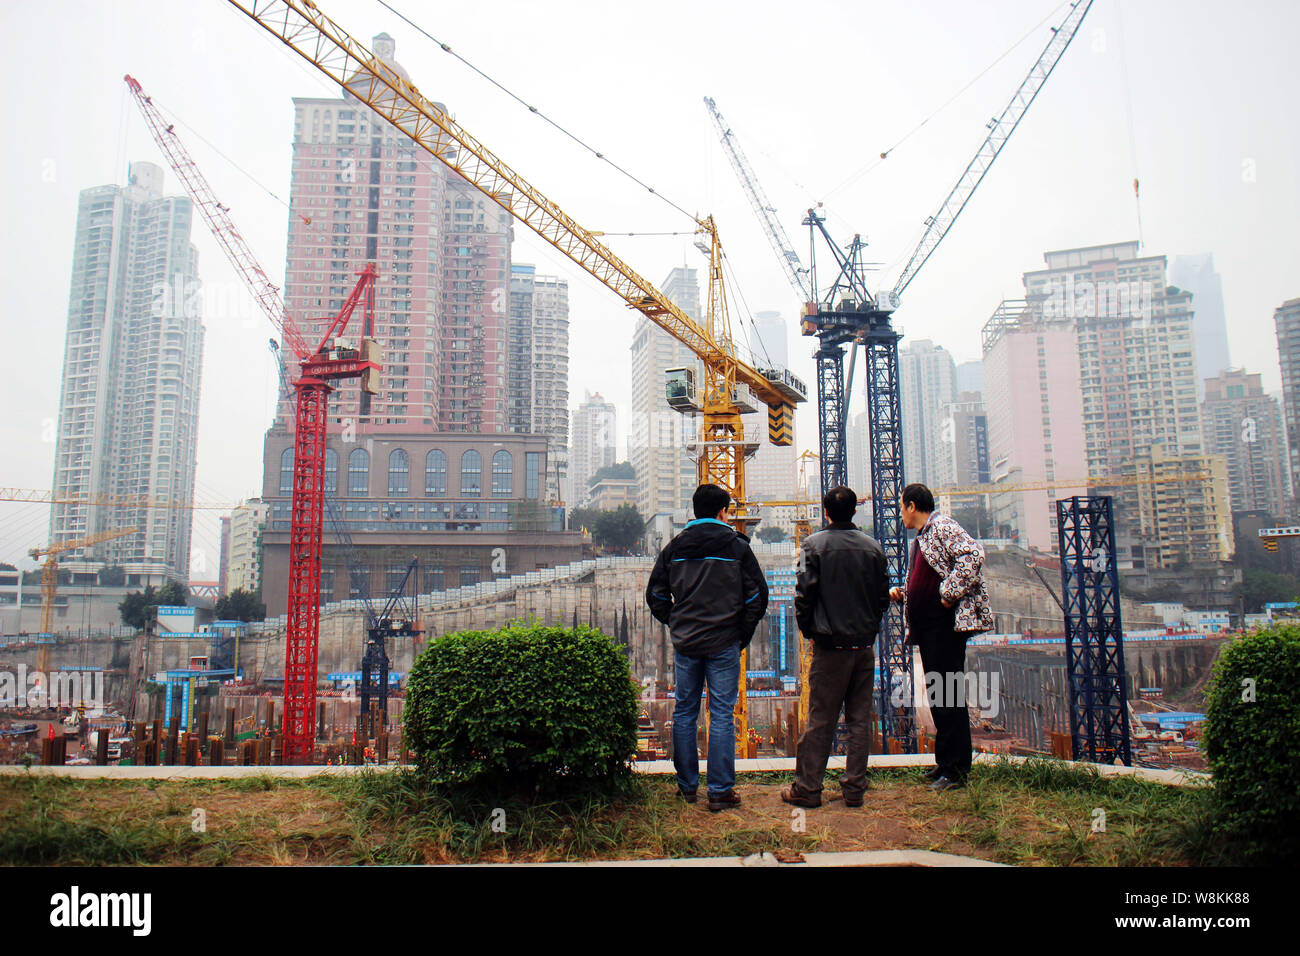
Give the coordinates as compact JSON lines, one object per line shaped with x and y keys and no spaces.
{"x":330,"y":361}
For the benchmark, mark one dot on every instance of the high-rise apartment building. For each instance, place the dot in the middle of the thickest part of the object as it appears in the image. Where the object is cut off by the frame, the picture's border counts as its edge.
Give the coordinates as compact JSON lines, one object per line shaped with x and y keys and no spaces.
{"x":362,"y":192}
{"x":1034,"y":411}
{"x":246,"y":523}
{"x":1286,"y":322}
{"x":927,"y":382}
{"x":1195,"y":274}
{"x":436,"y":470}
{"x":857,"y":447}
{"x":538,"y":363}
{"x":1182,"y":510}
{"x":1136,"y":350}
{"x":595,"y":433}
{"x":970,"y":377}
{"x":1244,"y":425}
{"x":129,"y":400}
{"x":965,"y":427}
{"x":657,"y":436}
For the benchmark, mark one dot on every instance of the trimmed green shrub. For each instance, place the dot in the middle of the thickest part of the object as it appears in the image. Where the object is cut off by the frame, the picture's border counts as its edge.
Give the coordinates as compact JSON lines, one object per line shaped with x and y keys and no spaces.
{"x":526,"y":708}
{"x":1252,"y":741}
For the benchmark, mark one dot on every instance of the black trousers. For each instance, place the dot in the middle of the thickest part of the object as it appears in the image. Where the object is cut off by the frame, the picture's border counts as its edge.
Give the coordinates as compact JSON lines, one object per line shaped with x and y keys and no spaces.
{"x":943,"y":656}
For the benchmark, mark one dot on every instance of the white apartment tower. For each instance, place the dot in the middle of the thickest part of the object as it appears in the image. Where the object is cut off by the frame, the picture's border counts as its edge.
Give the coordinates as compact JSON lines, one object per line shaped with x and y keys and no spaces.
{"x":595,"y":425}
{"x":927,"y":381}
{"x":538,"y":367}
{"x":657,"y":436}
{"x":129,"y":401}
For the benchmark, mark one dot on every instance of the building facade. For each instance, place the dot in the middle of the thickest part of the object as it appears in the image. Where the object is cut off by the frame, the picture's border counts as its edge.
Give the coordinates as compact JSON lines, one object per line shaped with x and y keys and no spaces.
{"x":1195,"y":274}
{"x":927,"y":382}
{"x":246,"y":524}
{"x":1034,"y":413}
{"x":469,"y":507}
{"x":595,"y":433}
{"x":361,"y":192}
{"x":539,"y":367}
{"x":1286,"y":322}
{"x":1244,"y":425}
{"x":658,"y":436}
{"x":129,"y":398}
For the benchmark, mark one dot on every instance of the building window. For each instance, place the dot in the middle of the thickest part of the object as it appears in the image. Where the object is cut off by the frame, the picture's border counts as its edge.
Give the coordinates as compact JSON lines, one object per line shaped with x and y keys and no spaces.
{"x":435,"y":474}
{"x":503,"y":471}
{"x":396,"y":572}
{"x":468,"y":576}
{"x":532,"y":474}
{"x":286,"y":472}
{"x":399,"y":473}
{"x":331,"y":472}
{"x":359,"y":472}
{"x":435,"y":579}
{"x":471,"y":474}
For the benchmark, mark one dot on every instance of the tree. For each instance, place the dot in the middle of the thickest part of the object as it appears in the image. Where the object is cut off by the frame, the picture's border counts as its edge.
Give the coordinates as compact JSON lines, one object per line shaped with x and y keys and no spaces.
{"x":621,"y":470}
{"x":139,"y":608}
{"x":771,"y":533}
{"x":240,"y":605}
{"x":1259,"y":587}
{"x":113,"y":576}
{"x":618,"y":530}
{"x":580,"y":518}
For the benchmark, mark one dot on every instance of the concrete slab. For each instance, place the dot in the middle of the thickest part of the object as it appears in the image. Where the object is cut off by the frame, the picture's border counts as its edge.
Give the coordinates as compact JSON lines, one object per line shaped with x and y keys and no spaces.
{"x":854,"y":859}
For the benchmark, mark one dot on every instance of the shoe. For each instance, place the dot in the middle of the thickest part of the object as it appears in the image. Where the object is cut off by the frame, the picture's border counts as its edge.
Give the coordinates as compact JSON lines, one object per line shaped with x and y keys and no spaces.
{"x":723,"y":801}
{"x":933,"y":774}
{"x":853,"y":802}
{"x":947,"y":783}
{"x":687,"y":795}
{"x":792,"y":798}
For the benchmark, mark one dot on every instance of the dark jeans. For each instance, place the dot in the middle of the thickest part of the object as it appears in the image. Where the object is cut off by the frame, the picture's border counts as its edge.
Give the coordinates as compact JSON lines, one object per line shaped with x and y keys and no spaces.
{"x":943,"y":657}
{"x":722,"y":674}
{"x":836,"y":679}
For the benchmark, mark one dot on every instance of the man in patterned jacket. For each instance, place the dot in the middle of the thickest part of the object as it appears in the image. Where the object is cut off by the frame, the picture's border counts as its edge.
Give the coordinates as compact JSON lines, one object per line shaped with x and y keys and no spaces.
{"x":946,"y":602}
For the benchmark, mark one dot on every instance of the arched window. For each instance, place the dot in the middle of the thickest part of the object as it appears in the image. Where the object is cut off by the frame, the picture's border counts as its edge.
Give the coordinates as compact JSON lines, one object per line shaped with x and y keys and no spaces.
{"x":503,"y":471}
{"x":359,"y":472}
{"x":286,"y":472}
{"x":471,"y":474}
{"x":331,"y":472}
{"x":399,"y":474}
{"x":435,"y":474}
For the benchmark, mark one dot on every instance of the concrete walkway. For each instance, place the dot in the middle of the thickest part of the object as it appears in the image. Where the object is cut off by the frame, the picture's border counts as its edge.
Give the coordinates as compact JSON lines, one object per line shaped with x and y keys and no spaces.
{"x":1178,"y":778}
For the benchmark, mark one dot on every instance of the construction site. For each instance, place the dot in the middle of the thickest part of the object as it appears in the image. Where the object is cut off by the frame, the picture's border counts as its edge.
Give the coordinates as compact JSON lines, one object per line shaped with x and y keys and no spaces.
{"x":415,"y":471}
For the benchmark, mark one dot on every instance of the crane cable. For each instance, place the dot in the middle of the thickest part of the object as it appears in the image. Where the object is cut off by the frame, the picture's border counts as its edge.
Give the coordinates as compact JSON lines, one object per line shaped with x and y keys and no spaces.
{"x":917,"y":128}
{"x":533,"y":109}
{"x":1128,"y":110}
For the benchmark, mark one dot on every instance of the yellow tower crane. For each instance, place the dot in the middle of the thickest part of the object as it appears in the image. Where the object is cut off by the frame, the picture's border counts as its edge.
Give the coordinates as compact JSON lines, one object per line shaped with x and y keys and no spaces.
{"x":722,"y":448}
{"x":50,"y":579}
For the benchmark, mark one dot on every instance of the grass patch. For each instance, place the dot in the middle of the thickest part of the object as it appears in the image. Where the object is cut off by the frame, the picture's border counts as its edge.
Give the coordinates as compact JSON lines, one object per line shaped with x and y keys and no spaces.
{"x":1032,"y":813}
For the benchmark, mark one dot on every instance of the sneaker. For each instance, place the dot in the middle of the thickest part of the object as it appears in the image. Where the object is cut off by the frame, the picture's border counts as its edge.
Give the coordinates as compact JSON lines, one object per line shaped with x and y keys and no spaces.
{"x":723,"y":801}
{"x":687,"y":795}
{"x":947,"y":783}
{"x":795,"y":800}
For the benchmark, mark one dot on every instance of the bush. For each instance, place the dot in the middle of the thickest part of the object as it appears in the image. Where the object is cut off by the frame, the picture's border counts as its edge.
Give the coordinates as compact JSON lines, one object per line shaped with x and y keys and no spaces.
{"x":1253,"y":746}
{"x":525,"y":708}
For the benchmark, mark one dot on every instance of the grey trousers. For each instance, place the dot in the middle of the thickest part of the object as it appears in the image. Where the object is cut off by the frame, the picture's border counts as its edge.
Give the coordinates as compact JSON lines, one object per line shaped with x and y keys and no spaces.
{"x":836,"y":679}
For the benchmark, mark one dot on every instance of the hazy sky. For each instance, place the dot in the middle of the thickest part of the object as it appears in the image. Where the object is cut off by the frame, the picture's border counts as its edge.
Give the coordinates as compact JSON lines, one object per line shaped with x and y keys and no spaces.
{"x":1195,"y":98}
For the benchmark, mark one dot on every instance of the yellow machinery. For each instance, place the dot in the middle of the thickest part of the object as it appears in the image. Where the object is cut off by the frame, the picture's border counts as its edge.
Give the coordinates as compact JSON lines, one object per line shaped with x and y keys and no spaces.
{"x":50,"y":579}
{"x":301,"y":26}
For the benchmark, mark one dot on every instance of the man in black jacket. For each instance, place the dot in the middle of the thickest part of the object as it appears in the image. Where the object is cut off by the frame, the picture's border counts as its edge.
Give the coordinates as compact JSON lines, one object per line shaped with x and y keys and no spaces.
{"x":708,"y":588}
{"x":841,"y":593}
